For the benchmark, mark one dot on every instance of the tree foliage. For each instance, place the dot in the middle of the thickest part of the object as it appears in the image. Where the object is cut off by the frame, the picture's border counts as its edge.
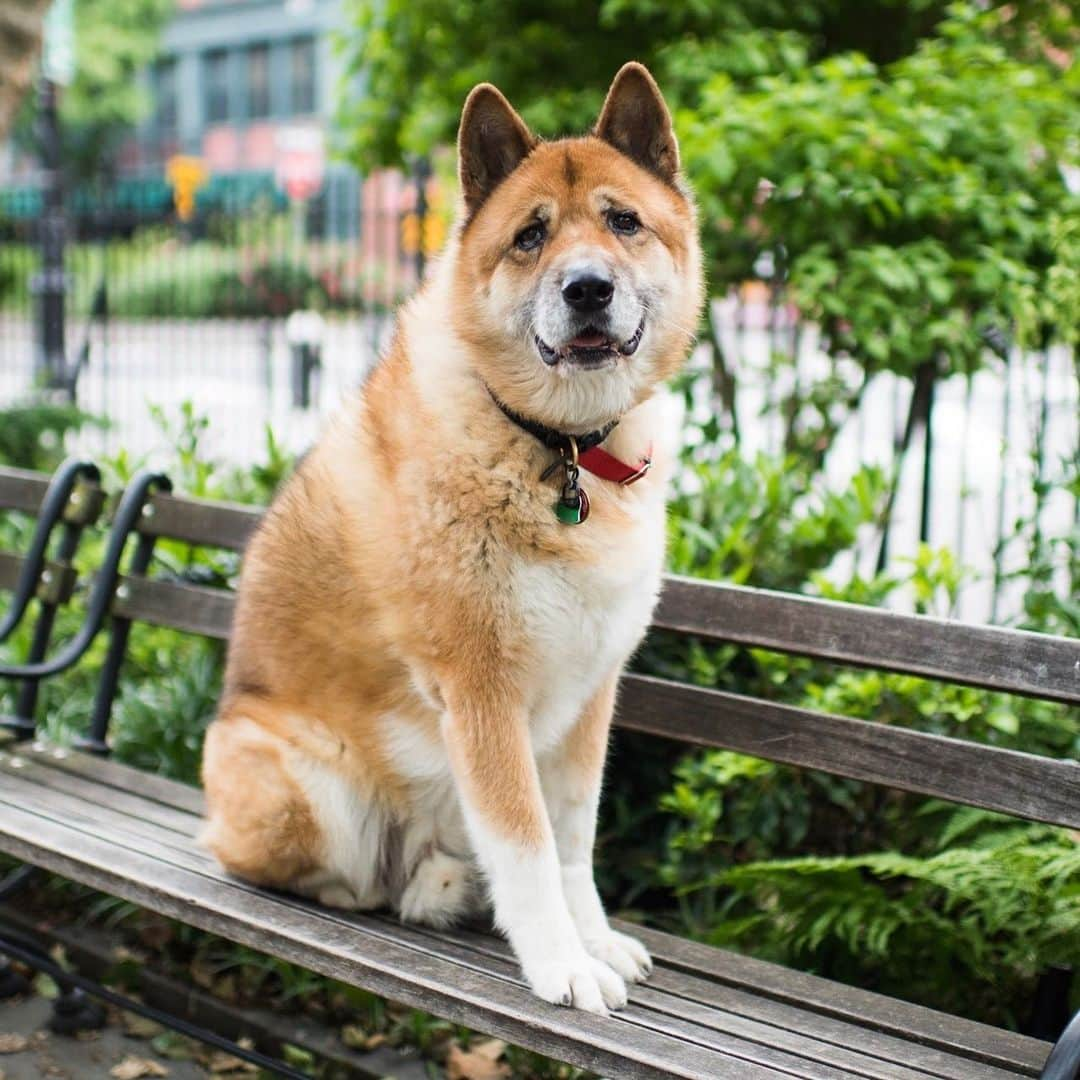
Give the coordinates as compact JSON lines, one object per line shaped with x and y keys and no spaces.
{"x":898,"y":165}
{"x":417,"y":59}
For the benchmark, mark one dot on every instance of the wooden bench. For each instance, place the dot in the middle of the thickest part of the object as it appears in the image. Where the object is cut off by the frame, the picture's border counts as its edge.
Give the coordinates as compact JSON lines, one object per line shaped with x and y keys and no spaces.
{"x":705,"y":1013}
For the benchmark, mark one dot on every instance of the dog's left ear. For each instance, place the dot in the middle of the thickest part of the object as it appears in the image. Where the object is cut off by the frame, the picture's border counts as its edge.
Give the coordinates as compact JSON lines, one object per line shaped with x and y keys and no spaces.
{"x":492,"y":141}
{"x":635,"y":120}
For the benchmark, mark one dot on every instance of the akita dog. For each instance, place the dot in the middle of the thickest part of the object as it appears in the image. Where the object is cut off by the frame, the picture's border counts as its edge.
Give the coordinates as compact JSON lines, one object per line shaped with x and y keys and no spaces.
{"x":434,"y":614}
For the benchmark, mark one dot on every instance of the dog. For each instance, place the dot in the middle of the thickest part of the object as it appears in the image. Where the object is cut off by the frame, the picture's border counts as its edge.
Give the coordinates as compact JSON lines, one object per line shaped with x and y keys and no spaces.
{"x":434,"y":613}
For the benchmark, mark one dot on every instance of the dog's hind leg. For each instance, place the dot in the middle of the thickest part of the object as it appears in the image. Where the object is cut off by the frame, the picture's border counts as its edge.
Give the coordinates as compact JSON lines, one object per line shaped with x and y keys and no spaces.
{"x":279,"y":817}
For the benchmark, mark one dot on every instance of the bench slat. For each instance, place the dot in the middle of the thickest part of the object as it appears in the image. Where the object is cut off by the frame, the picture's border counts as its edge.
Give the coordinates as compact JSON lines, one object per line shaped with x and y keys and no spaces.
{"x":991,"y":657}
{"x":1025,"y":785}
{"x":201,"y":521}
{"x":738,"y":1011}
{"x":22,"y":489}
{"x":343,"y":951}
{"x":121,"y":777}
{"x":842,"y":1051}
{"x":712,"y":971}
{"x":63,"y":577}
{"x":194,"y":609}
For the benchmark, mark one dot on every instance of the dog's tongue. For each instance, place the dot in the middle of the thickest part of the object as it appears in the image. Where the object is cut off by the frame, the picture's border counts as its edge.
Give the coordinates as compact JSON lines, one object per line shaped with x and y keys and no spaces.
{"x":589,"y":341}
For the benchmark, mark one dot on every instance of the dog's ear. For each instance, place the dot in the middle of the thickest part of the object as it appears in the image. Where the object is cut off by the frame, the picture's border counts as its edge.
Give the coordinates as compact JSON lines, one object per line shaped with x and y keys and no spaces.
{"x":635,"y":120}
{"x":492,"y":141}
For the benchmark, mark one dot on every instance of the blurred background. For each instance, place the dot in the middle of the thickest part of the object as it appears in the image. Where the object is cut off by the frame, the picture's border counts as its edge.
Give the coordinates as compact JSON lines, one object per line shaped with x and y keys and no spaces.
{"x":210,"y":208}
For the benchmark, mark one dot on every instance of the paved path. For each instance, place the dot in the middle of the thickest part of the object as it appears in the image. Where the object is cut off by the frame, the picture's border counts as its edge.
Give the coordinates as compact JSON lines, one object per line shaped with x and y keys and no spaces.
{"x":91,"y":1056}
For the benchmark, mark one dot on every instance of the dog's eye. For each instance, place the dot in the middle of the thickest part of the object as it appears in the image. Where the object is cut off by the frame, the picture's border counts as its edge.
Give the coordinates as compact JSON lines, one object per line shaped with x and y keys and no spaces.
{"x":531,"y":237}
{"x":624,"y":222}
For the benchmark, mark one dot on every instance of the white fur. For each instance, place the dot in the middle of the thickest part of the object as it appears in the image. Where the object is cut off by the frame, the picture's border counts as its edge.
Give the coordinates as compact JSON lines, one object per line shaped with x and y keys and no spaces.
{"x":526,"y":889}
{"x":353,"y":829}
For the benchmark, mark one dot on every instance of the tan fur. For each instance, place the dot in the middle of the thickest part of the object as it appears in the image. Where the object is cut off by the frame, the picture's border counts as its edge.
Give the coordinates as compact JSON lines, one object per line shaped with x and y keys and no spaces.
{"x":377,"y":602}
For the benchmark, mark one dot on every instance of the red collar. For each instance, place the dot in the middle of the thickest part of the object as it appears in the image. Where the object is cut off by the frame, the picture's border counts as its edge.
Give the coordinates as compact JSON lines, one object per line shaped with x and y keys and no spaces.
{"x":590,"y":455}
{"x":608,"y":467}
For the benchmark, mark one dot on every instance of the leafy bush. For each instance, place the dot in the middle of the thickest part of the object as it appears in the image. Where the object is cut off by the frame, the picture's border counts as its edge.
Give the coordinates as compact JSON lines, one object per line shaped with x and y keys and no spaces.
{"x":32,"y":433}
{"x":915,"y":209}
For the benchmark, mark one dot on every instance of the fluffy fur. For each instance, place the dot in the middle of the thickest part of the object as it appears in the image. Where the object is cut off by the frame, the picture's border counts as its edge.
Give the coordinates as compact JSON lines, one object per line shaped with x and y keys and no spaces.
{"x":424,"y":661}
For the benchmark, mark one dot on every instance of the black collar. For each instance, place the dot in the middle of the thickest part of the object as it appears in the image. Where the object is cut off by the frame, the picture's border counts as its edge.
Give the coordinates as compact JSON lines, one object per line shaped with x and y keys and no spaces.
{"x":551,"y":437}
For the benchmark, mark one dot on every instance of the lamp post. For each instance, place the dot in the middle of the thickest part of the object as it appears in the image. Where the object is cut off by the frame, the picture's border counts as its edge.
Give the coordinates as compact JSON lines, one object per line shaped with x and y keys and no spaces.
{"x":49,"y":284}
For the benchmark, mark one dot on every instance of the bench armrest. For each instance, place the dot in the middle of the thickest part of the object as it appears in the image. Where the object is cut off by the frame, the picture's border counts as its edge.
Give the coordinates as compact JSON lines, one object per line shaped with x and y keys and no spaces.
{"x":127,"y":518}
{"x":1064,"y":1060}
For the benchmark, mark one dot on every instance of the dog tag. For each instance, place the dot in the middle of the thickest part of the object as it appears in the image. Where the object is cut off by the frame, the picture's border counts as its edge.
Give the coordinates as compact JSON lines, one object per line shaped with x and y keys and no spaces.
{"x":573,"y":507}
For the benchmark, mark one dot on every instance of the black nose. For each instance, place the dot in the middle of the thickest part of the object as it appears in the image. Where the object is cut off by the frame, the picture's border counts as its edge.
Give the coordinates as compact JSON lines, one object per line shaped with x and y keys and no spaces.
{"x":588,"y":292}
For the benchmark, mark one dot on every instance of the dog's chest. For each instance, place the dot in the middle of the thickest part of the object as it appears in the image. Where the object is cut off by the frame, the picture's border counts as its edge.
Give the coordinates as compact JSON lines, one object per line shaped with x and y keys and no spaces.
{"x":580,"y":623}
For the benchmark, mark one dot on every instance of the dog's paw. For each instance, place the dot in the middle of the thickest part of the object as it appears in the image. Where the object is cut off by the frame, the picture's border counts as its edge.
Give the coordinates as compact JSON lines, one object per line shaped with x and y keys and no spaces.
{"x":583,"y":982}
{"x":438,"y":892}
{"x":622,"y":953}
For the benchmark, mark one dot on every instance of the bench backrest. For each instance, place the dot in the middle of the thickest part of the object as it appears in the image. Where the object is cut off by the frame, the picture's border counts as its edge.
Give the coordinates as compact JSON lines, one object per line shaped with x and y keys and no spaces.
{"x":991,"y":658}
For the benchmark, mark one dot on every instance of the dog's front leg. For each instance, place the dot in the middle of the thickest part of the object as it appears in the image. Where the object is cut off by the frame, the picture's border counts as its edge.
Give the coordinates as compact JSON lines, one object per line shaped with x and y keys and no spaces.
{"x":491,"y":758}
{"x":571,"y":781}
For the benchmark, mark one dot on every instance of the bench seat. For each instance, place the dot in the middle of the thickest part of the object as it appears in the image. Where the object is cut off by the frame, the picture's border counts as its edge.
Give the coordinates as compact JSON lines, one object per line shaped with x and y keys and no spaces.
{"x":704,"y":1013}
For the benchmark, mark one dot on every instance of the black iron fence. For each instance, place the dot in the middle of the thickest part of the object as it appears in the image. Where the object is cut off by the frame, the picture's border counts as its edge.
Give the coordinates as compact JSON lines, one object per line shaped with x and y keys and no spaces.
{"x":162,"y":310}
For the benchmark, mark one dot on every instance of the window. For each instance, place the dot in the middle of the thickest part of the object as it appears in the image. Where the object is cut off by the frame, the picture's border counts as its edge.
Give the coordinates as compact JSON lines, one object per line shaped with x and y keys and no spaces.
{"x":164,"y":85}
{"x":216,"y":81}
{"x":302,"y":75}
{"x":258,"y":81}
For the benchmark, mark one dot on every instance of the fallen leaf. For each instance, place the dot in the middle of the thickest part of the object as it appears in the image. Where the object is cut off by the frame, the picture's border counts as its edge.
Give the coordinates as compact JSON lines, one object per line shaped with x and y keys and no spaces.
{"x":373,"y":1042}
{"x":12,"y":1044}
{"x":354,"y":1036}
{"x":479,"y":1062}
{"x":141,"y":1027}
{"x":220,"y":1063}
{"x":133,"y":1068}
{"x":174,"y":1046}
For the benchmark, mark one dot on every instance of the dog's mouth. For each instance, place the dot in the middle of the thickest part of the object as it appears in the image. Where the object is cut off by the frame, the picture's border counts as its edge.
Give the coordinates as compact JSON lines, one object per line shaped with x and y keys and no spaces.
{"x":592,"y":348}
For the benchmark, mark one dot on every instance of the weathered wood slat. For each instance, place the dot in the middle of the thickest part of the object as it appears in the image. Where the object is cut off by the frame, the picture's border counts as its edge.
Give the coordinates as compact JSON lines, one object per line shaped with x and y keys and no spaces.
{"x":1042,"y":789}
{"x":201,"y":521}
{"x":21,"y":489}
{"x":995,"y":658}
{"x":728,"y":1011}
{"x":996,"y":1046}
{"x":843,"y":1050}
{"x":121,"y":777}
{"x":712,"y":971}
{"x":58,"y":587}
{"x":303,"y":936}
{"x":194,"y":609}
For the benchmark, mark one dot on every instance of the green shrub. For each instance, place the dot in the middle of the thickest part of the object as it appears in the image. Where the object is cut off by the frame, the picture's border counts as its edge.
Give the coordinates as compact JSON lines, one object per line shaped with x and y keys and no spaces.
{"x":32,"y":433}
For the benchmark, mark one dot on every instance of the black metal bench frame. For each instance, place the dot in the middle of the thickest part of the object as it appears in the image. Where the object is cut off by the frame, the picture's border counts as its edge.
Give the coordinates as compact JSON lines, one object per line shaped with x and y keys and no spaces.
{"x":705,"y":1013}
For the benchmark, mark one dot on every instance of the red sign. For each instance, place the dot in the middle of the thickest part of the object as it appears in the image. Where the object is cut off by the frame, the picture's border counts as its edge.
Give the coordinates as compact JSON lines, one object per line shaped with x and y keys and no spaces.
{"x":301,"y":161}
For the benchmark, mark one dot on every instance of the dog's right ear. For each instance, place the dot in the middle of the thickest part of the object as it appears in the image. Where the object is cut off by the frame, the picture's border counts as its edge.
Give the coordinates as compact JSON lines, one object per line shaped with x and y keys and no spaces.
{"x":492,"y":141}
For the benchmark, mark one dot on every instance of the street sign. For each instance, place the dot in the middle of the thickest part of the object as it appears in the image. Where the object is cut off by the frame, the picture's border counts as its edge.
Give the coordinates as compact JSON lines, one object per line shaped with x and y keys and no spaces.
{"x":301,"y":161}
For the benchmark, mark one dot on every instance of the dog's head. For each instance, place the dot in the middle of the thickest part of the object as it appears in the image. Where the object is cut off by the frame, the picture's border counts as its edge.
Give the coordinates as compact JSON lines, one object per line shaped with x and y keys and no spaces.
{"x":577,"y":274}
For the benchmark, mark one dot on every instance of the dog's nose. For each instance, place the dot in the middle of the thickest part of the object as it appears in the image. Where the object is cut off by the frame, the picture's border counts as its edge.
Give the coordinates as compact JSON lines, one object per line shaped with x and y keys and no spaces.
{"x":588,"y":292}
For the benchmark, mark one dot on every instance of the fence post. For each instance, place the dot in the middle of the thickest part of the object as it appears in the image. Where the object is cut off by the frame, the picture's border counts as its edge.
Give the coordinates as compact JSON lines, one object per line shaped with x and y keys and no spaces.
{"x":49,"y":283}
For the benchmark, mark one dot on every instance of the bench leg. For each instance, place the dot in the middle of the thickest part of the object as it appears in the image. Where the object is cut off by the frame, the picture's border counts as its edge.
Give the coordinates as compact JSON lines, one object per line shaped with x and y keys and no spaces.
{"x":72,"y":1010}
{"x":76,"y":1009}
{"x":12,"y":983}
{"x":1064,"y":1060}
